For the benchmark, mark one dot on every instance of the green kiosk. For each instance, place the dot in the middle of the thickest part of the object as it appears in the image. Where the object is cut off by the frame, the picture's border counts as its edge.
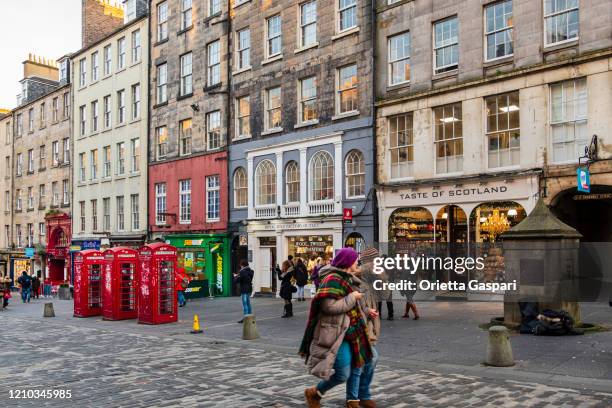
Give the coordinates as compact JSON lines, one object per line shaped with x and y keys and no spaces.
{"x":206,"y":259}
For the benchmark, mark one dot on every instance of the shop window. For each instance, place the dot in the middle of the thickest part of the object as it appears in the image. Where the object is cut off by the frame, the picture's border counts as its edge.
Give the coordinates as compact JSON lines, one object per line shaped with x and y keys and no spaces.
{"x":265,"y":183}
{"x":311,"y":246}
{"x":355,"y":241}
{"x":503,"y":129}
{"x":240,"y":188}
{"x":321,"y":176}
{"x":193,"y":262}
{"x":355,"y":174}
{"x":448,"y":138}
{"x":411,"y":224}
{"x":489,"y":220}
{"x":292,"y":182}
{"x":451,"y":225}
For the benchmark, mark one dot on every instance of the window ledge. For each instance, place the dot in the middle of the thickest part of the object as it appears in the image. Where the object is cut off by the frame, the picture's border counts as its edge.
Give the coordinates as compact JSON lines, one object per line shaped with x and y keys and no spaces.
{"x":159,"y":105}
{"x":211,"y":17}
{"x":106,"y":180}
{"x":107,"y":130}
{"x":342,"y":34}
{"x":241,"y":70}
{"x":134,"y":174}
{"x":272,"y":59}
{"x":120,"y":70}
{"x":450,"y":174}
{"x":120,"y":125}
{"x":135,"y":120}
{"x":236,"y":5}
{"x":306,"y":48}
{"x":503,"y":168}
{"x":160,"y":42}
{"x":345,"y":115}
{"x":272,"y":131}
{"x":399,"y":85}
{"x":181,"y":97}
{"x":498,"y":61}
{"x":445,"y":75}
{"x":305,"y":124}
{"x":184,"y":30}
{"x":243,"y":137}
{"x":96,"y":181}
{"x":212,"y":87}
{"x":560,"y":45}
{"x":134,"y":63}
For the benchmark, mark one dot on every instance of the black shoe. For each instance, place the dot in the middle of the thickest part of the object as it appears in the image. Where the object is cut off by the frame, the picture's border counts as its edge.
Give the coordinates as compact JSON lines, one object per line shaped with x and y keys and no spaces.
{"x":390,"y":318}
{"x":241,"y":320}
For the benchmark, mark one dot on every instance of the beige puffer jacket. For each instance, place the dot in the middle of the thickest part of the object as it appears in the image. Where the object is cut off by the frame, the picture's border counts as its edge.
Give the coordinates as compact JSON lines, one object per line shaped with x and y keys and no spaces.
{"x":331,"y":328}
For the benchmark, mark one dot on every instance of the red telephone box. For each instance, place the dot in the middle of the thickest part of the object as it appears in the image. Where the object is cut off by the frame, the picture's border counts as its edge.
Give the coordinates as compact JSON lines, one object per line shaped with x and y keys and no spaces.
{"x":120,"y":284}
{"x":157,"y":296}
{"x":88,"y":266}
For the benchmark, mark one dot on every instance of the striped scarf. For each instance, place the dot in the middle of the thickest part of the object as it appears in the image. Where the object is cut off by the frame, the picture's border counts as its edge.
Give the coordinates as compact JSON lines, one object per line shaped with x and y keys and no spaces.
{"x":336,"y":285}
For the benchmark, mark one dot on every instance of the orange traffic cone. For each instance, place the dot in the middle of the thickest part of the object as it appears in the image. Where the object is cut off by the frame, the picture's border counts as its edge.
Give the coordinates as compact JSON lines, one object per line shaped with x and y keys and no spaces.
{"x":196,"y":325}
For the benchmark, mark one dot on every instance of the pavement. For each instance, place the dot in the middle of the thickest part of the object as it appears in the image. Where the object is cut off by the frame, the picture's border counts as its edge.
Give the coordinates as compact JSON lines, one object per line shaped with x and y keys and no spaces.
{"x":432,"y":362}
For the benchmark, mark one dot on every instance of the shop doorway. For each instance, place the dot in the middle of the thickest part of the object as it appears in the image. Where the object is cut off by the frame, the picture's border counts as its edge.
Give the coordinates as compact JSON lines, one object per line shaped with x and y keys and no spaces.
{"x":451,"y":225}
{"x":56,"y":270}
{"x":267,"y":264}
{"x":355,"y":240}
{"x":590,"y":214}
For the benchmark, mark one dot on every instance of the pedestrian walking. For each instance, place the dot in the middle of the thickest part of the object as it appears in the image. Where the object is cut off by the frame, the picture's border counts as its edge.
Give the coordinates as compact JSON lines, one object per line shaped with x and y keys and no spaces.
{"x":385,"y":295}
{"x":301,"y":278}
{"x":5,"y":285}
{"x":244,"y":278}
{"x":26,"y":285}
{"x":285,"y":275}
{"x":182,"y":282}
{"x":35,"y":286}
{"x":336,"y":343}
{"x":314,"y":275}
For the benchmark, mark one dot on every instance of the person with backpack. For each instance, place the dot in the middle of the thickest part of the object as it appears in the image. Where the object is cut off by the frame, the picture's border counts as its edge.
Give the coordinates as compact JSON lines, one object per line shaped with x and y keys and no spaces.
{"x":35,"y":286}
{"x":301,"y":279}
{"x":26,"y":285}
{"x":182,"y":282}
{"x":244,"y":278}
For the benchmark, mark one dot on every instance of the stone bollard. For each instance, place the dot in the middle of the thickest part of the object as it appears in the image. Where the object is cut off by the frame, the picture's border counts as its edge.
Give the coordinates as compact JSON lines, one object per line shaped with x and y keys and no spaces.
{"x":499,"y":350}
{"x":249,"y":328}
{"x":49,"y":312}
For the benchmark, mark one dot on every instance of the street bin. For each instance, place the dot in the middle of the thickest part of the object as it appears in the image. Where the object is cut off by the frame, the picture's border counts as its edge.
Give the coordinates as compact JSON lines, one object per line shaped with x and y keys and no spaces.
{"x":120,"y":284}
{"x":157,"y":299}
{"x":88,"y":267}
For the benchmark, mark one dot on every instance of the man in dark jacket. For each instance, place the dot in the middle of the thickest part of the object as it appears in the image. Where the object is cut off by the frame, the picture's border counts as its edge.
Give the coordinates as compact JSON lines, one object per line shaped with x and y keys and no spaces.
{"x":26,"y":285}
{"x":244,"y":278}
{"x":301,"y":278}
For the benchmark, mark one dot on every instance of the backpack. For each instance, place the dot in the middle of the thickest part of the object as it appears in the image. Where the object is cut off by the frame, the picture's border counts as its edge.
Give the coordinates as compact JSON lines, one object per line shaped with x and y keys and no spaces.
{"x":555,"y":323}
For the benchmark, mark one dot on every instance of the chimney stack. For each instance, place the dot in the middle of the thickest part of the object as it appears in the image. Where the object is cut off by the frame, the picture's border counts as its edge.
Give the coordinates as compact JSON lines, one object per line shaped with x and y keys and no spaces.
{"x":99,"y":18}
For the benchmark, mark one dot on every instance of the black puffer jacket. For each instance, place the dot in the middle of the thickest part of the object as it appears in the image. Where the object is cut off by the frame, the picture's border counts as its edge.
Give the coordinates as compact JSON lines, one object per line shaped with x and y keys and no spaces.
{"x":286,"y":289}
{"x":301,"y":274}
{"x":245,"y":279}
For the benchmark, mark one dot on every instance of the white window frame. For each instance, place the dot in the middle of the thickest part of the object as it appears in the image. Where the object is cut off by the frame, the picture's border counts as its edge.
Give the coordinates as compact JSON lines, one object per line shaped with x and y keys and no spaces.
{"x":160,"y":203}
{"x":270,"y":183}
{"x":213,"y":197}
{"x":161,"y":147}
{"x":313,"y":172}
{"x":135,"y":148}
{"x":342,"y":10}
{"x":185,"y":137}
{"x":350,"y":176}
{"x":185,"y":201}
{"x":121,"y":53}
{"x":495,"y":31}
{"x":162,"y":21}
{"x":340,"y":91}
{"x":94,"y":116}
{"x":213,"y":61}
{"x":303,"y":101}
{"x":136,"y":46}
{"x":95,"y":67}
{"x":136,"y":101}
{"x":270,"y":110}
{"x":241,"y":117}
{"x":292,"y":182}
{"x":108,"y":60}
{"x":107,"y":161}
{"x":397,"y":60}
{"x":121,"y":116}
{"x":554,"y":16}
{"x":186,"y":14}
{"x":108,"y":112}
{"x":274,"y":37}
{"x":243,"y":50}
{"x":120,"y":200}
{"x":121,"y":158}
{"x":66,"y":191}
{"x":213,"y":130}
{"x":445,"y":119}
{"x":498,"y":133}
{"x":106,"y":213}
{"x":162,"y":83}
{"x":578,"y":119}
{"x":404,"y":168}
{"x":214,"y":7}
{"x":305,"y":25}
{"x":83,"y":120}
{"x":135,"y":211}
{"x":186,"y":74}
{"x":445,"y":43}
{"x":82,"y":72}
{"x":241,"y":188}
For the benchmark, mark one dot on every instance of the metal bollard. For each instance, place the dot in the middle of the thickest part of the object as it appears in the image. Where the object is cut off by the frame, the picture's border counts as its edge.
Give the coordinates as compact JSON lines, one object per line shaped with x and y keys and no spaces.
{"x":48,"y":311}
{"x":499,"y":350}
{"x":249,"y":328}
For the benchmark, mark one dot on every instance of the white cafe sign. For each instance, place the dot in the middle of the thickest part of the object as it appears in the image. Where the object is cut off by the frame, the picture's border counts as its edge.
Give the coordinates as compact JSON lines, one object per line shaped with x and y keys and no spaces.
{"x":518,"y":189}
{"x":282,"y":227}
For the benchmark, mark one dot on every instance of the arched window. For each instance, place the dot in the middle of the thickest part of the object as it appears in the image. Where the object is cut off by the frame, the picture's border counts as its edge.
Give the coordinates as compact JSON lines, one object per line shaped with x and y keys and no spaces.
{"x":240,"y":188}
{"x":355,"y":174}
{"x":292,"y":182}
{"x":265,"y":183}
{"x":321,"y":176}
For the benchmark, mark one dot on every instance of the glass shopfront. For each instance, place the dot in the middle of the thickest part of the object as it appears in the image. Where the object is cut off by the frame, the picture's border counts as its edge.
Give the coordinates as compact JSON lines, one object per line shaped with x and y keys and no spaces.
{"x":411,"y":224}
{"x":489,"y":220}
{"x":309,"y":246}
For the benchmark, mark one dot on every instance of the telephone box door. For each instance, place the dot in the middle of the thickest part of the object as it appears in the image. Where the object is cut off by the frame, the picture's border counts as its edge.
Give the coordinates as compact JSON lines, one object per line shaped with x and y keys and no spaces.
{"x":88,"y":267}
{"x":157,"y":293}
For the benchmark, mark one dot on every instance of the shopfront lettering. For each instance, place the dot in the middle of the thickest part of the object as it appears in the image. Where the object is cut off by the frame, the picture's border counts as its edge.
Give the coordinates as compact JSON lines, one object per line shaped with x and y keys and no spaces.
{"x":454,"y":192}
{"x":280,"y":227}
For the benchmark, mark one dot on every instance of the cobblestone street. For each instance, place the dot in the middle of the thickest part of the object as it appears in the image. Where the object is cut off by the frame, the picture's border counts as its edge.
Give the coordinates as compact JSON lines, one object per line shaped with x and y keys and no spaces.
{"x":109,"y":364}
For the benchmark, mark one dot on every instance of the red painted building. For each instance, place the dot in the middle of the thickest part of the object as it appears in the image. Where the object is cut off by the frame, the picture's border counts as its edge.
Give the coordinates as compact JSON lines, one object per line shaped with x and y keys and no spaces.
{"x":167,"y":187}
{"x":58,"y":246}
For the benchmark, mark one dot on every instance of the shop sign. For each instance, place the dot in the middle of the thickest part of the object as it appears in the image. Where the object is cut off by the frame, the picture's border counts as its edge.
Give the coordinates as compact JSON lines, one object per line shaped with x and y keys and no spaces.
{"x":267,"y":241}
{"x":347,"y":215}
{"x":600,"y":196}
{"x":219,"y":264}
{"x":193,"y":242}
{"x":469,"y":192}
{"x":75,"y":248}
{"x":583,"y":180}
{"x":29,"y":252}
{"x":281,"y":227}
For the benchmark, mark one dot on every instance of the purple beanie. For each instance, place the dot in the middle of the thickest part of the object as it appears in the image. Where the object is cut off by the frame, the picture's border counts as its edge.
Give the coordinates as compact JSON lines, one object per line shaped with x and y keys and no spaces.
{"x":345,"y":258}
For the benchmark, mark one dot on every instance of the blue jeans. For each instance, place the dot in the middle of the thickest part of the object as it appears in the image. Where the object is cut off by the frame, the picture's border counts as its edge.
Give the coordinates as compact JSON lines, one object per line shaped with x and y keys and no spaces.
{"x":300,"y":292}
{"x":361,"y":378}
{"x":246,"y":303}
{"x":181,"y":297}
{"x":25,"y":295}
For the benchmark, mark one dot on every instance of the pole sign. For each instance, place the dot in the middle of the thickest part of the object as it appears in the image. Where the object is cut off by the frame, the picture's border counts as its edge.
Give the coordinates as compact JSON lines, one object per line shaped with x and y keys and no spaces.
{"x":29,"y":252}
{"x":583,"y":179}
{"x":347,"y":215}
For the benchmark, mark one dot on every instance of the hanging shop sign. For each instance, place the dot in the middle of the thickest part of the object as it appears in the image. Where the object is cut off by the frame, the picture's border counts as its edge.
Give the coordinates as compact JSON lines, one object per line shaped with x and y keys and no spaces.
{"x":29,"y":252}
{"x":347,"y":215}
{"x":600,"y":196}
{"x":583,"y":180}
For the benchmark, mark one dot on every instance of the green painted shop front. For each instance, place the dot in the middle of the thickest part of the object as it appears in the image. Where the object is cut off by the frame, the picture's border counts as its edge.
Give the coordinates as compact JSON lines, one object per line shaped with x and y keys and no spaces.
{"x":206,"y":259}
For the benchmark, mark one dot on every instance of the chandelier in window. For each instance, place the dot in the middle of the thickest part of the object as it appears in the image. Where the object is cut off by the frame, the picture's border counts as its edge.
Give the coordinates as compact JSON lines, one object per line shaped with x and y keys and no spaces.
{"x":495,"y":224}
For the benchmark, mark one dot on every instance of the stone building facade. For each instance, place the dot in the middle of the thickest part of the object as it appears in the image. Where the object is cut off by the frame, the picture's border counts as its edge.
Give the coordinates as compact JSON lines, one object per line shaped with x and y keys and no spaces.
{"x":301,"y":150}
{"x":484,"y":105}
{"x":6,"y":185}
{"x":110,"y":111}
{"x":188,"y":136}
{"x":99,"y":19}
{"x":41,"y":172}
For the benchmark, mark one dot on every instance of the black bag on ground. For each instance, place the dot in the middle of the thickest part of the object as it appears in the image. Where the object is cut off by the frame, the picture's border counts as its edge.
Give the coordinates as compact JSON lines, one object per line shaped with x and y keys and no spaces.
{"x":555,"y":323}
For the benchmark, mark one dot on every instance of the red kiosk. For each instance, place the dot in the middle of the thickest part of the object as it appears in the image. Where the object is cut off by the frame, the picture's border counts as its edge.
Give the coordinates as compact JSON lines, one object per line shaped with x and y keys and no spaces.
{"x":88,"y":266}
{"x":157,"y":299}
{"x":120,"y":284}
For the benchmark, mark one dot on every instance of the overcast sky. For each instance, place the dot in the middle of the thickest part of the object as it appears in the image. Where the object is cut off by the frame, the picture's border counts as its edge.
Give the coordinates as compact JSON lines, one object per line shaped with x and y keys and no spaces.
{"x":49,"y":28}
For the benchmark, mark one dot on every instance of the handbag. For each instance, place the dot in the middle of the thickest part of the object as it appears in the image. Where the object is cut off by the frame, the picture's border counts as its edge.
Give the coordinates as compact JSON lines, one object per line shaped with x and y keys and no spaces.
{"x":293,"y":289}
